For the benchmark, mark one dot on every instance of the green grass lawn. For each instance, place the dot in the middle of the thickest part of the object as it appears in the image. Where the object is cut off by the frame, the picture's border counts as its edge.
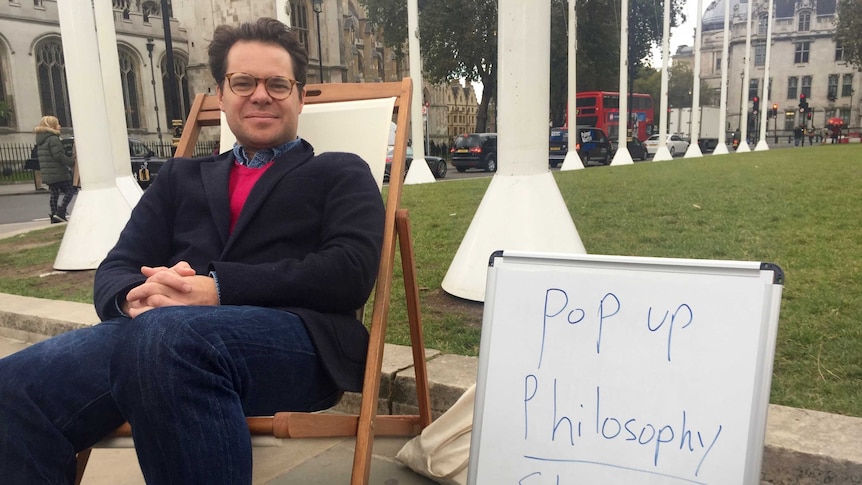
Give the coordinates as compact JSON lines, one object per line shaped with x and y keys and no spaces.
{"x":799,"y":208}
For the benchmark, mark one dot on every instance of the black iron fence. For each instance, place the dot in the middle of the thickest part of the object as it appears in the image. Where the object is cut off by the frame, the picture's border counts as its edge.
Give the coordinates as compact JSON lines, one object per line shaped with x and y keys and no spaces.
{"x":13,"y":156}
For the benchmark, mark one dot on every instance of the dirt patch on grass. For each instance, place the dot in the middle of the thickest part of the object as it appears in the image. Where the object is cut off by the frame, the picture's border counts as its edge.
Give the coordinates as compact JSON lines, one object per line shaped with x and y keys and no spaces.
{"x":466,"y":311}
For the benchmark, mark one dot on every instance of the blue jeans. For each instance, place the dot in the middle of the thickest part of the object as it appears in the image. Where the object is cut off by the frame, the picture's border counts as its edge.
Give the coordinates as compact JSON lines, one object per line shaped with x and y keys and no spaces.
{"x":184,"y":377}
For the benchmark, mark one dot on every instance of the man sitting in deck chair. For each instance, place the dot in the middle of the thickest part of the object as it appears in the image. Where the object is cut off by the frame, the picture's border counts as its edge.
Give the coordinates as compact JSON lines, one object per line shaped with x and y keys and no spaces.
{"x":231,"y":292}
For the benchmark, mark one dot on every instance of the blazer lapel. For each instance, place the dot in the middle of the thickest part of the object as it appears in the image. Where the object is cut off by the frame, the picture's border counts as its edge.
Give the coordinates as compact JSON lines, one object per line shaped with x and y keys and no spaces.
{"x":215,"y":176}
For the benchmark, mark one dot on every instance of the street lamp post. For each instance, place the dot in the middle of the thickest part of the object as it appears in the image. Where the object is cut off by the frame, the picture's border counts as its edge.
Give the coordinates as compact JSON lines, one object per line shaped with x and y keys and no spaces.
{"x":317,"y":5}
{"x":741,"y":94}
{"x":150,"y":46}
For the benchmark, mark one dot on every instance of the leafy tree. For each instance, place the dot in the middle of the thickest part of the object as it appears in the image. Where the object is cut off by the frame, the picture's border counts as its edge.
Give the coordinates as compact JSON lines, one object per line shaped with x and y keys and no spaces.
{"x":848,"y":29}
{"x":599,"y":45}
{"x":679,"y":91}
{"x":392,"y":17}
{"x":459,"y":40}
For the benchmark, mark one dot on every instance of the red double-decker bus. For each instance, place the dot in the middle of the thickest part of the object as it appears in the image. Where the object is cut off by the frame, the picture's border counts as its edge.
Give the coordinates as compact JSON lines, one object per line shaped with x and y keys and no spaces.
{"x":602,"y":110}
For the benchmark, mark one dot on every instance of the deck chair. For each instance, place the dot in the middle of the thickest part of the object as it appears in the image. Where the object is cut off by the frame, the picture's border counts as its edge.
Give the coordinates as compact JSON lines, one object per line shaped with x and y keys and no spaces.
{"x":337,"y":107}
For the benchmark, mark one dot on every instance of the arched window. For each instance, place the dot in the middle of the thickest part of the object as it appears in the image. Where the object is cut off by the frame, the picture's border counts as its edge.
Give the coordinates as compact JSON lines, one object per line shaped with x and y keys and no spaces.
{"x":51,"y":74}
{"x":181,"y":101}
{"x":762,"y":24}
{"x":129,"y":79}
{"x":5,"y":107}
{"x":123,"y":6}
{"x":804,"y":21}
{"x":150,"y":8}
{"x":299,"y":19}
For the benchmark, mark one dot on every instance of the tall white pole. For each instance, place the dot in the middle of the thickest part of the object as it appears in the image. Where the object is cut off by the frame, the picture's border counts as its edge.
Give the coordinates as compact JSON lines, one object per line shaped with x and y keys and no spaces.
{"x":764,"y":99}
{"x":622,"y":156}
{"x":419,"y":172}
{"x":572,"y":160}
{"x":108,"y":190}
{"x":663,"y":153}
{"x":721,"y":148}
{"x":693,"y":148}
{"x":743,"y":109}
{"x":522,"y":208}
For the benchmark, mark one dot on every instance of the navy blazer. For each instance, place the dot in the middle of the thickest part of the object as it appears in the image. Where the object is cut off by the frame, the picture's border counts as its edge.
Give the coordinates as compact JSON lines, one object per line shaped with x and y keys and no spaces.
{"x":308,"y":240}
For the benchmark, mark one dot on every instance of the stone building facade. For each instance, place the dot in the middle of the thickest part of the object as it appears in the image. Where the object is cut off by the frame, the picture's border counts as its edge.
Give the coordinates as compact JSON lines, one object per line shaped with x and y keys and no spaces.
{"x":804,"y":58}
{"x":32,"y":74}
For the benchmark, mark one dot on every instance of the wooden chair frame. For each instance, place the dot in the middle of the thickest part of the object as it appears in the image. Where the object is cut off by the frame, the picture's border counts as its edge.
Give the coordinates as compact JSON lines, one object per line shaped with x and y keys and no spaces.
{"x":364,"y":426}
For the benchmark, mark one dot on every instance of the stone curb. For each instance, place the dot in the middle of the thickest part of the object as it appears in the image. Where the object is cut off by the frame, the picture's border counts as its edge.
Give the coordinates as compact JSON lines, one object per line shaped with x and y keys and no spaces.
{"x":802,"y":447}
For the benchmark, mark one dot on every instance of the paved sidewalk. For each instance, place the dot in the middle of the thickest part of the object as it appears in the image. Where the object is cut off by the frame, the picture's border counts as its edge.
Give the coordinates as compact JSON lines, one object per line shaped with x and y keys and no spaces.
{"x":305,"y":461}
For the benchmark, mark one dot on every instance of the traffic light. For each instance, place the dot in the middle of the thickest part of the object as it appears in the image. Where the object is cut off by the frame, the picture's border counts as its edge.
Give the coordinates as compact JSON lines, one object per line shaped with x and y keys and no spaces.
{"x":803,"y":103}
{"x":809,"y":114}
{"x":775,"y":110}
{"x":756,"y":104}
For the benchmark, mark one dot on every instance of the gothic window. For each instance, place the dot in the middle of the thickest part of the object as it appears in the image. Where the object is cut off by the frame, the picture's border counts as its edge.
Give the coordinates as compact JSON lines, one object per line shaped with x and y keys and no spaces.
{"x":804,"y":22}
{"x":180,"y":98}
{"x":149,"y":8}
{"x":762,"y":24}
{"x":801,"y":54}
{"x":847,"y":85}
{"x":360,"y":64}
{"x":123,"y":6}
{"x":129,"y":82}
{"x":760,"y":54}
{"x":4,"y":120}
{"x":299,"y":19}
{"x":792,"y":87}
{"x":51,"y":74}
{"x":806,"y":86}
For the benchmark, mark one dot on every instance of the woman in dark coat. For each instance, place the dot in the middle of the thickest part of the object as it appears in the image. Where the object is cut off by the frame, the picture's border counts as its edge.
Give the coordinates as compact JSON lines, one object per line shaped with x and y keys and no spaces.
{"x":56,"y":166}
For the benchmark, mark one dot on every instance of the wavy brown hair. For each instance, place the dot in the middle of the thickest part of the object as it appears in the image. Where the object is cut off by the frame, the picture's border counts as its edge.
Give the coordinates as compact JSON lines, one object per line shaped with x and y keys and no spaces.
{"x":266,"y":30}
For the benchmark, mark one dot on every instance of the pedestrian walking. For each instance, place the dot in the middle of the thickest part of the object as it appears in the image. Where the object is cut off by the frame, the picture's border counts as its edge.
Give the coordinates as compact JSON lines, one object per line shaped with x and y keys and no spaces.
{"x":797,"y":136}
{"x":56,"y":167}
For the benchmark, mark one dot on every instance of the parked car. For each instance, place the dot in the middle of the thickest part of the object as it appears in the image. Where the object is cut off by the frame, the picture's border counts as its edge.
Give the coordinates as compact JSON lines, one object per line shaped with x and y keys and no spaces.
{"x":636,"y":148}
{"x":675,"y":144}
{"x":145,"y":164}
{"x":437,"y":165}
{"x":558,"y":146}
{"x":476,"y":150}
{"x":591,"y":144}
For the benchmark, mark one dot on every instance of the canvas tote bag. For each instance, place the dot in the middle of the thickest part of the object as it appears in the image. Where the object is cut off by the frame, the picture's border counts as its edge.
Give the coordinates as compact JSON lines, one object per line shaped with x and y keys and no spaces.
{"x":442,"y":450}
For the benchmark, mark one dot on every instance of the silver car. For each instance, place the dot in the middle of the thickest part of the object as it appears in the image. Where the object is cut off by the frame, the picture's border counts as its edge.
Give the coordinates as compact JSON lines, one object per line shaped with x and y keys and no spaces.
{"x":675,"y":144}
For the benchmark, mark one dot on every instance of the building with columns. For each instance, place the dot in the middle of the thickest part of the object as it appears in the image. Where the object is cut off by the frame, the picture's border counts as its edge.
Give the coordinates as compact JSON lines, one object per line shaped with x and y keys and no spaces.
{"x":804,"y":59}
{"x":32,"y":72}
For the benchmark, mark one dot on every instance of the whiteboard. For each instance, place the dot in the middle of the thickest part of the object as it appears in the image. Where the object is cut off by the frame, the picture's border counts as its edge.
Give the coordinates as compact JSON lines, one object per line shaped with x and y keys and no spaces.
{"x":623,"y":370}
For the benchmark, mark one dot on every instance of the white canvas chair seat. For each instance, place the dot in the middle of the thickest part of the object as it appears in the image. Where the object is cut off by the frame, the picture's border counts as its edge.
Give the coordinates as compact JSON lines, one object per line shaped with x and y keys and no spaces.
{"x":352,"y":118}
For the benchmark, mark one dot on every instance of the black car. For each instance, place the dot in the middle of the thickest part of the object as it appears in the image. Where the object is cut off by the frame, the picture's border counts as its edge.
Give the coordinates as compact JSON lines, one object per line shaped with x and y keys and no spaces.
{"x":437,"y":165}
{"x":636,"y":148}
{"x":476,"y":150}
{"x":591,"y":144}
{"x":145,"y":164}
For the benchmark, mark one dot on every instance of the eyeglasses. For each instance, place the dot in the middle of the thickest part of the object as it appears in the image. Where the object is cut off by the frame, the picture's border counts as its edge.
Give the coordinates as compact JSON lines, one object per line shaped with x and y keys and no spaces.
{"x":278,"y":87}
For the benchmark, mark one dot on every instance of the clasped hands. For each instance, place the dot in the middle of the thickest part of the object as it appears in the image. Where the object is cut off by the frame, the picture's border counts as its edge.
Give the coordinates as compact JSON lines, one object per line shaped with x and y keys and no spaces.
{"x":175,"y":286}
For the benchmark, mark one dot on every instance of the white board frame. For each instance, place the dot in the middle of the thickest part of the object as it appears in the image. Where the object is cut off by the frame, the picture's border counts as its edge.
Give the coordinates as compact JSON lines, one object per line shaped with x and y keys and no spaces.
{"x":493,"y":463}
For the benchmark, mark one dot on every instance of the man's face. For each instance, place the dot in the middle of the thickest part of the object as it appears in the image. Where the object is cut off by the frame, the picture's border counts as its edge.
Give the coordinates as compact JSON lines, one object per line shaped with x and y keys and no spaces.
{"x":260,"y":121}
